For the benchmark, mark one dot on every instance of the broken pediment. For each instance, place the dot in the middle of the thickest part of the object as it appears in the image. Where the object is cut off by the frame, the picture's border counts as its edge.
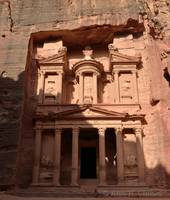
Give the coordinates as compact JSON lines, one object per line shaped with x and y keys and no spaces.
{"x":59,"y":58}
{"x":119,"y":58}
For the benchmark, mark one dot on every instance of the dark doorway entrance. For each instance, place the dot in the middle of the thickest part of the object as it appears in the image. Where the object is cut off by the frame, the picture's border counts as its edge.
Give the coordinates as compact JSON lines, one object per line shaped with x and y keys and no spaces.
{"x":88,"y":163}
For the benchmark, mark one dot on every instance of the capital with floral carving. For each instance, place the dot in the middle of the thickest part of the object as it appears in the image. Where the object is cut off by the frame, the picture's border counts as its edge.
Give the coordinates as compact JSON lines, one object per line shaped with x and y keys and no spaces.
{"x":101,"y":131}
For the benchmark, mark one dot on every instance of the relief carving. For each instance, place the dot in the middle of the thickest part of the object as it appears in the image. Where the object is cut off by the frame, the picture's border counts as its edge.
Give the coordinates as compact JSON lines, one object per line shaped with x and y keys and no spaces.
{"x":126,"y":87}
{"x":50,"y":88}
{"x":88,"y":53}
{"x":89,"y":88}
{"x":131,"y":161}
{"x":46,"y":161}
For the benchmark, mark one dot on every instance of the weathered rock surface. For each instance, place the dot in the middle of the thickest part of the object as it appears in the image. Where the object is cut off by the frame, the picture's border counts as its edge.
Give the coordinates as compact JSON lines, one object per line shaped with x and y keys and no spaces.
{"x":22,"y":22}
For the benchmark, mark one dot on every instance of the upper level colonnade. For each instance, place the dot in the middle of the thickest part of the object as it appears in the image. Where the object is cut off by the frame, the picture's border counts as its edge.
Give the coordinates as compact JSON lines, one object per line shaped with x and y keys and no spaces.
{"x":87,"y":80}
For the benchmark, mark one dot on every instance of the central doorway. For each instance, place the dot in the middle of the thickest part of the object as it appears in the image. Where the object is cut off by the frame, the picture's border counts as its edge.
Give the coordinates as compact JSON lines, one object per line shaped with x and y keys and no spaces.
{"x":88,"y":163}
{"x":88,"y":152}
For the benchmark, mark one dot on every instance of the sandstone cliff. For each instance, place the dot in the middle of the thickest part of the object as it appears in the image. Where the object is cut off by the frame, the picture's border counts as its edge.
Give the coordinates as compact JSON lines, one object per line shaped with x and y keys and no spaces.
{"x":24,"y":22}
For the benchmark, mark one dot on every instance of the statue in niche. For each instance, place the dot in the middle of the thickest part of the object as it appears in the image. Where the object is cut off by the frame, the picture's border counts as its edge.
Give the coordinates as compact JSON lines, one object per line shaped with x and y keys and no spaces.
{"x":46,"y":161}
{"x":88,"y":88}
{"x":88,"y":53}
{"x":50,"y":88}
{"x":88,"y":99}
{"x":131,"y":161}
{"x":126,"y":85}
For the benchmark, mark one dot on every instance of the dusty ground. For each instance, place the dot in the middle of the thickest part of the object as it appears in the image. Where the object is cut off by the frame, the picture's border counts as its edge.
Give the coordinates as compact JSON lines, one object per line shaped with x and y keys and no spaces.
{"x":9,"y":197}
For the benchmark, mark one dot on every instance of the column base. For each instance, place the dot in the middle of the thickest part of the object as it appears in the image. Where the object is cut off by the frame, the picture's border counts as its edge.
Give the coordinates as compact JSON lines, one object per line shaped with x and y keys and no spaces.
{"x":74,"y":185}
{"x":102,"y":185}
{"x":56,"y":184}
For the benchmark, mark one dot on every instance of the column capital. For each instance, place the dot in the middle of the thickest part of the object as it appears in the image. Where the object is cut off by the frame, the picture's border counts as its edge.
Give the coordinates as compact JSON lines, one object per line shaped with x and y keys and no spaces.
{"x":101,"y":131}
{"x":134,"y":71}
{"x":38,"y":128}
{"x":79,"y":74}
{"x":42,"y":73}
{"x":138,"y":131}
{"x":119,"y":130}
{"x":39,"y":74}
{"x":75,"y":130}
{"x":58,"y":130}
{"x":60,"y":72}
{"x":96,"y":73}
{"x":115,"y":71}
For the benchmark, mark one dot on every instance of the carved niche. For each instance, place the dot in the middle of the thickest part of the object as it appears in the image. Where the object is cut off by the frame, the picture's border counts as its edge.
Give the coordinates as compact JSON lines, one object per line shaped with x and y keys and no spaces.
{"x":124,"y":69}
{"x":130,"y":154}
{"x":47,"y":157}
{"x":50,"y":82}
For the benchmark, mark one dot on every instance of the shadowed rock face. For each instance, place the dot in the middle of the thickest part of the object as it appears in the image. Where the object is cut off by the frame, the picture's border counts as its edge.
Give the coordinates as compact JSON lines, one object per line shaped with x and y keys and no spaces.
{"x":20,"y":18}
{"x":73,"y":20}
{"x":36,"y":12}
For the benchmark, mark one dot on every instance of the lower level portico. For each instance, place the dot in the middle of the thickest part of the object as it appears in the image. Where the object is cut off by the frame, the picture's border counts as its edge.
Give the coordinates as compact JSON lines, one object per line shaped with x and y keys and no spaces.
{"x":77,"y":152}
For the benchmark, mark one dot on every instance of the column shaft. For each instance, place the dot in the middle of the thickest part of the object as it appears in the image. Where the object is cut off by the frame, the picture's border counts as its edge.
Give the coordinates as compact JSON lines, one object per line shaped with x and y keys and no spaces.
{"x":102,"y":154}
{"x":41,"y":87}
{"x":38,"y":82}
{"x":37,"y":154}
{"x":140,"y":154}
{"x":120,"y":159}
{"x":60,"y":87}
{"x":117,"y":90}
{"x":57,"y":156}
{"x":81,"y":88}
{"x":94,"y":88}
{"x":75,"y":148}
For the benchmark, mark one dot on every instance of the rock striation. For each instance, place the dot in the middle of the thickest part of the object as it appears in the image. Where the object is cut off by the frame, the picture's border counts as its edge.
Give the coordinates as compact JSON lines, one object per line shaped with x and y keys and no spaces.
{"x":135,"y":27}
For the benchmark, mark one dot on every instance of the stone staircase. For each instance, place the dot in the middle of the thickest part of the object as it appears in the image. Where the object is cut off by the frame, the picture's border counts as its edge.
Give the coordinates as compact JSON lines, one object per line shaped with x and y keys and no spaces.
{"x":93,"y":192}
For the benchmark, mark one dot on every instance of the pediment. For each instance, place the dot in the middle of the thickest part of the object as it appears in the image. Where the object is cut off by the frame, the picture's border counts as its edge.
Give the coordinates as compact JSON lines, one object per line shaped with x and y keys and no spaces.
{"x":57,"y":58}
{"x":120,"y":58}
{"x":90,"y":112}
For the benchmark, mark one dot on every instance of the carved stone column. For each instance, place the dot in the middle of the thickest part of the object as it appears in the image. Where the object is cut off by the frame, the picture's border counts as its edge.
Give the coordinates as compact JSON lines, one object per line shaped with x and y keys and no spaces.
{"x":37,"y":155}
{"x":135,"y":88}
{"x":120,"y":156}
{"x":60,"y":87}
{"x":102,"y":154}
{"x":41,"y":87}
{"x":117,"y":89}
{"x":75,"y":148}
{"x":140,"y":154}
{"x":81,"y":88}
{"x":57,"y":156}
{"x":95,"y":88}
{"x":38,"y":82}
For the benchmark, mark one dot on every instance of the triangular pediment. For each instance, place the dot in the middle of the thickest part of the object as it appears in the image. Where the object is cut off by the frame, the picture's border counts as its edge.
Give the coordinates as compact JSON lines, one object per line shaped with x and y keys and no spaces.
{"x":57,"y":58}
{"x":117,"y":57}
{"x":87,"y":112}
{"x":90,"y":112}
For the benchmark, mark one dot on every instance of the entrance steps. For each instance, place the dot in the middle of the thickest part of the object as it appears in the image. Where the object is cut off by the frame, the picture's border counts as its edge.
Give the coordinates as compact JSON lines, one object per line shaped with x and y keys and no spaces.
{"x":132,"y":191}
{"x":88,"y":191}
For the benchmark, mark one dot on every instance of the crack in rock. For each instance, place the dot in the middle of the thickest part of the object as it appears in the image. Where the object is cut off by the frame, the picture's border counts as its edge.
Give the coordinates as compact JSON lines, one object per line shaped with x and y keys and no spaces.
{"x":9,"y":13}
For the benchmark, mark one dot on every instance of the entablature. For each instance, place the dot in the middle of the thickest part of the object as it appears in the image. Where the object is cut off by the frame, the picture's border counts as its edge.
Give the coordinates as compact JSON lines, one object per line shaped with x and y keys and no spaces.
{"x":87,"y":112}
